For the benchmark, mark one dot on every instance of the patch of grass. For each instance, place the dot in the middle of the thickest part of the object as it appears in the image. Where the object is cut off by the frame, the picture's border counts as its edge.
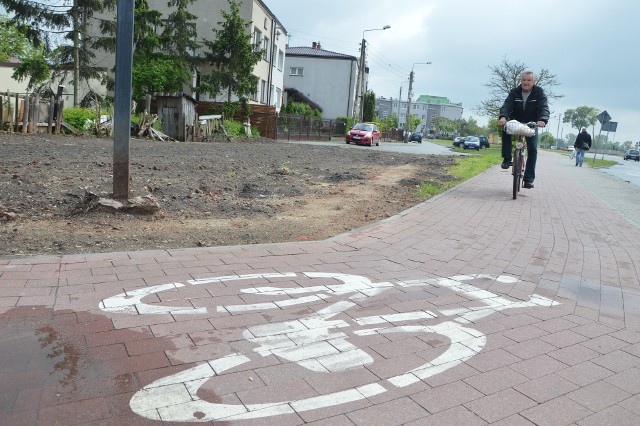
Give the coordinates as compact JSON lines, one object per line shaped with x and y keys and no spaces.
{"x":466,"y":167}
{"x":598,"y":163}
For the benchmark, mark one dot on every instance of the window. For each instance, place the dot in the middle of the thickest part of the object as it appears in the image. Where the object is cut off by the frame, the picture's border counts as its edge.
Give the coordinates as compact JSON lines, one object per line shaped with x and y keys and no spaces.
{"x":280,"y":60}
{"x":278,"y":98}
{"x":266,"y":24}
{"x":299,"y":71}
{"x":257,"y":39}
{"x":273,"y":101}
{"x":263,"y":91}
{"x":266,"y":50}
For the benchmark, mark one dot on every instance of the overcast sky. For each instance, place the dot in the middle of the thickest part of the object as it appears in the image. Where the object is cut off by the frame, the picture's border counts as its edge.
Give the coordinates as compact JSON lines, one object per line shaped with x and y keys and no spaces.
{"x":593,"y":47}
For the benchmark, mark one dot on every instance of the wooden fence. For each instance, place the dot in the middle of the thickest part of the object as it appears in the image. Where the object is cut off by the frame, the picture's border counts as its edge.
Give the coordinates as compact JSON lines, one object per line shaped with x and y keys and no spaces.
{"x":26,"y":113}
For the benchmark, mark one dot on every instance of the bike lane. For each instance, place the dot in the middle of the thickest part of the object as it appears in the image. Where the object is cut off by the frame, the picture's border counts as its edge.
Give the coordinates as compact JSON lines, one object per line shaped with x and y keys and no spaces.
{"x":470,"y":308}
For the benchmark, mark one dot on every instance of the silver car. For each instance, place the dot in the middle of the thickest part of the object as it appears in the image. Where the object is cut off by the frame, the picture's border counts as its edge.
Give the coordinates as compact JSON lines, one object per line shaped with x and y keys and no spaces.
{"x":472,"y":142}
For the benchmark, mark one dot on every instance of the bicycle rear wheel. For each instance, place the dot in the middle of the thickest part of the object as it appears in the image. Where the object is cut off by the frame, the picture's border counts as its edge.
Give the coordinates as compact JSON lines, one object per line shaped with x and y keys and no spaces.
{"x":517,"y":172}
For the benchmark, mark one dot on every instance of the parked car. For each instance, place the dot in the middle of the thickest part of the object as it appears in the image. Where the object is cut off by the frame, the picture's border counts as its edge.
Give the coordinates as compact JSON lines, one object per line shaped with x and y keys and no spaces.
{"x":431,"y":136}
{"x":364,"y":134}
{"x":484,"y":141}
{"x":471,"y":142}
{"x":632,"y":154}
{"x":415,"y":137}
{"x":458,"y":141}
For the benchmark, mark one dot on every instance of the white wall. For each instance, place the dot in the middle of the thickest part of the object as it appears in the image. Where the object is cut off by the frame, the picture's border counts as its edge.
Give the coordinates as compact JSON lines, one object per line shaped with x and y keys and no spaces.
{"x":328,"y":82}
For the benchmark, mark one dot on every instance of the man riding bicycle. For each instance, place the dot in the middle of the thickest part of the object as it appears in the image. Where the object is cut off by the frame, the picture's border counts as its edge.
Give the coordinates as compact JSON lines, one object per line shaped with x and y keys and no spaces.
{"x":525,"y":103}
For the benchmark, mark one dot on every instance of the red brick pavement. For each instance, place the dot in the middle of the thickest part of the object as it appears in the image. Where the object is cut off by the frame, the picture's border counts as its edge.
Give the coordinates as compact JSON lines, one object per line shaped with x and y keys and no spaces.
{"x":443,"y":295}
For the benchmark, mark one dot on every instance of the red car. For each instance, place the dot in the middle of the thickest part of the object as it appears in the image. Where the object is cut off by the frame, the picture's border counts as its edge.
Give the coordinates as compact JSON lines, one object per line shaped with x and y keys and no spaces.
{"x":364,"y":134}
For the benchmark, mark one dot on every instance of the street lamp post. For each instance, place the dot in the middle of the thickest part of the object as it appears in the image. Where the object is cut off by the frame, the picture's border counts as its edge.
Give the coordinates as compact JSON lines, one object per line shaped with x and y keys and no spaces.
{"x":406,"y":124}
{"x":358,"y":104}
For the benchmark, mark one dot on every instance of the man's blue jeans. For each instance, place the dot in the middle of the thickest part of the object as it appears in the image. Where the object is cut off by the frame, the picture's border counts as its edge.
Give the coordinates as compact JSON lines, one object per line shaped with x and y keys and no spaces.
{"x":532,"y":154}
{"x":580,"y":157}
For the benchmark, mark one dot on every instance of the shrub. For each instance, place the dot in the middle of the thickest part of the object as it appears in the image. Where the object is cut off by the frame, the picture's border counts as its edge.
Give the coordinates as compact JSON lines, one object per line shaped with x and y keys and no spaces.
{"x":80,"y":118}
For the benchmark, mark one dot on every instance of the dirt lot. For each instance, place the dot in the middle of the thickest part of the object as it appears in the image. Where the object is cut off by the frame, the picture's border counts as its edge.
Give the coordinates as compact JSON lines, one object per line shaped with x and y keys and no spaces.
{"x":205,"y":194}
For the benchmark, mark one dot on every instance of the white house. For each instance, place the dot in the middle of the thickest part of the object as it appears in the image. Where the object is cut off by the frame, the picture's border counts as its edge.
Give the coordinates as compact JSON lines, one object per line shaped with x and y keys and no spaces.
{"x":326,"y":78}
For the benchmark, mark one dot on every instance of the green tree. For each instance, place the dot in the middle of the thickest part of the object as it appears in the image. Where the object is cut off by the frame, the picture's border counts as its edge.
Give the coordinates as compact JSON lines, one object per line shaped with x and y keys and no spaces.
{"x":13,"y":44}
{"x":547,"y":140}
{"x":180,"y":34}
{"x":505,"y":77}
{"x":391,"y":122}
{"x":369,"y":106}
{"x":470,"y":127}
{"x":59,"y":32}
{"x":582,"y":116}
{"x":35,"y":68}
{"x":492,"y":126}
{"x":233,"y":58}
{"x":158,"y":74}
{"x":443,"y":125}
{"x":414,"y":122}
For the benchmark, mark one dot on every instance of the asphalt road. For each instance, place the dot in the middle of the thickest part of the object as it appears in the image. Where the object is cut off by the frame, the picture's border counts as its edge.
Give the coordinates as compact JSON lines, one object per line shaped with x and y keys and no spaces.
{"x":628,"y":171}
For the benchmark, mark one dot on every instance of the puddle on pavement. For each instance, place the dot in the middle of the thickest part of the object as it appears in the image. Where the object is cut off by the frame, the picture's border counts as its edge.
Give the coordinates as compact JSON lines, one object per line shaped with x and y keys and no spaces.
{"x":45,"y":361}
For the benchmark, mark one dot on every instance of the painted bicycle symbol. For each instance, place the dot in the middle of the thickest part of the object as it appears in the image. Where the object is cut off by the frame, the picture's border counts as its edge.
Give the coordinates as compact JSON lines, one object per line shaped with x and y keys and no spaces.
{"x":318,"y":342}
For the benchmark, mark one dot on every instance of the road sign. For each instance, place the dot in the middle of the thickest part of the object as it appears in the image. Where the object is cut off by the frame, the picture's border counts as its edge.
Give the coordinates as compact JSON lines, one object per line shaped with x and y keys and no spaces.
{"x":604,"y":117}
{"x":610,"y":126}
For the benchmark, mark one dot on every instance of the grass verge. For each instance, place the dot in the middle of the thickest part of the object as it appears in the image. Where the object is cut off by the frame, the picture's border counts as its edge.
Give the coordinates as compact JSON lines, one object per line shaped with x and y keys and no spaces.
{"x":466,"y":167}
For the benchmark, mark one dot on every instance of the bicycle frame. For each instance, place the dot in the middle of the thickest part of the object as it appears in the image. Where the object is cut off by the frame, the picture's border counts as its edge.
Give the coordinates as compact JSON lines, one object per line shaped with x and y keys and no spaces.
{"x":519,"y":154}
{"x":519,"y":161}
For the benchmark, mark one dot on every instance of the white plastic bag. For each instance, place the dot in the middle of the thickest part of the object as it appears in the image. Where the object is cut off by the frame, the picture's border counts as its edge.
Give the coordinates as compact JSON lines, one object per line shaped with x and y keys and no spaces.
{"x":514,"y":127}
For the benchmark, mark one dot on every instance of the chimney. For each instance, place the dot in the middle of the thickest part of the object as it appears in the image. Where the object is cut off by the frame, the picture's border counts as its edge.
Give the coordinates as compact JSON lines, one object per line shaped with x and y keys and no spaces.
{"x":314,"y":46}
{"x":319,"y":47}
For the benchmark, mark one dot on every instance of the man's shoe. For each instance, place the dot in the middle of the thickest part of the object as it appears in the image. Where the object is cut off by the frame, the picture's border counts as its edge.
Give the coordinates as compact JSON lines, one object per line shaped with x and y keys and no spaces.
{"x":528,"y":185}
{"x":506,"y":163}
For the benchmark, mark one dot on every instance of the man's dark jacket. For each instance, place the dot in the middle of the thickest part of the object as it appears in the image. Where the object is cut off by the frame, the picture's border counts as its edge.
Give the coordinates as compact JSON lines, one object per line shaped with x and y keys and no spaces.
{"x":537,"y":106}
{"x":583,"y":141}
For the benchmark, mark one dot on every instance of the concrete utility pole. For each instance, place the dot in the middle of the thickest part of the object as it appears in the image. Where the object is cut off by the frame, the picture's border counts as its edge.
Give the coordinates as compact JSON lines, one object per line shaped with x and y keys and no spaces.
{"x":358,"y":105}
{"x":410,"y":94}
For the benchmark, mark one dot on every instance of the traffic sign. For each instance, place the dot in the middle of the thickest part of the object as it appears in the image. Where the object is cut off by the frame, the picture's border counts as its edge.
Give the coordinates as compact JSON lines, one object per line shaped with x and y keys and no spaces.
{"x":610,"y":126}
{"x":604,"y":117}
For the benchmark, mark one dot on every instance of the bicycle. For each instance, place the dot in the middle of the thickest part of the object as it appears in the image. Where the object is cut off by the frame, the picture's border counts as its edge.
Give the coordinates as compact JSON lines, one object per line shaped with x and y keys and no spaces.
{"x":522,"y":131}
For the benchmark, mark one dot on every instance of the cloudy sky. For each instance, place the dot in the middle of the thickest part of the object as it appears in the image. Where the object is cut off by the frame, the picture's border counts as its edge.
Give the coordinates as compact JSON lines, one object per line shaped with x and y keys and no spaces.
{"x":593,"y":47}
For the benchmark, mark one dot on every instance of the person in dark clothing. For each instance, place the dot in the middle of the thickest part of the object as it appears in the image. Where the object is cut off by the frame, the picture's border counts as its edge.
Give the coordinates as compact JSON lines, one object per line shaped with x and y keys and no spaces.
{"x":525,"y":103}
{"x":582,"y":145}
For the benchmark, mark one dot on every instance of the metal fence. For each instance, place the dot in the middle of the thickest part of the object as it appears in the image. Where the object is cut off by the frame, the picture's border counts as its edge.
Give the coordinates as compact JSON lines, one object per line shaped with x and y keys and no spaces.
{"x":303,"y":128}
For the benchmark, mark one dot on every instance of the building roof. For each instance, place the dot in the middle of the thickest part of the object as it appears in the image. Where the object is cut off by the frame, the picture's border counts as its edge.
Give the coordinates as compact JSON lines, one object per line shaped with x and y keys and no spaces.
{"x":428,"y":99}
{"x":316,"y":51}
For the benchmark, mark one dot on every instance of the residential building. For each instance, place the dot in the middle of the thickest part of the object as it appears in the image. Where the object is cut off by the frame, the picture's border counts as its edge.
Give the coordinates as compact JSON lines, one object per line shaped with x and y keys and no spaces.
{"x":326,"y":78}
{"x":426,"y":107}
{"x":265,"y":29}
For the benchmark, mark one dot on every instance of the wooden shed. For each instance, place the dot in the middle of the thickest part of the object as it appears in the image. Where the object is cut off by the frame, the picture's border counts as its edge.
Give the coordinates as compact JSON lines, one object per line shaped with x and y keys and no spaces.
{"x":176,"y":112}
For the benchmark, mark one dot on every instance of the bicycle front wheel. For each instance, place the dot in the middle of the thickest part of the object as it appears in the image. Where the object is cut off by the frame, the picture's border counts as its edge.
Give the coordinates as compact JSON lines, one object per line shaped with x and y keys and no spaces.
{"x":517,"y":172}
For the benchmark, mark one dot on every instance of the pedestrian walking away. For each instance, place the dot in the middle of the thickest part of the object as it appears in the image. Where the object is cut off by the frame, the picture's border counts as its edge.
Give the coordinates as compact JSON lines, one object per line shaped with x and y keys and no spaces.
{"x":526,"y":103}
{"x":582,"y":145}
